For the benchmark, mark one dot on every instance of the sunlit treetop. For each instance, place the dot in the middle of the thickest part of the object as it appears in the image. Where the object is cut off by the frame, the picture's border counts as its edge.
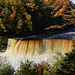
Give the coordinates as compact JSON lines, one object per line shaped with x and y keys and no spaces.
{"x":60,"y":6}
{"x":36,"y":15}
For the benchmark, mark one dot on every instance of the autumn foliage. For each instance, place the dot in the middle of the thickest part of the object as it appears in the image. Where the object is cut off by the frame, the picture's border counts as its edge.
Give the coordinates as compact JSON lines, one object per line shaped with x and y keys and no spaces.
{"x":25,"y":16}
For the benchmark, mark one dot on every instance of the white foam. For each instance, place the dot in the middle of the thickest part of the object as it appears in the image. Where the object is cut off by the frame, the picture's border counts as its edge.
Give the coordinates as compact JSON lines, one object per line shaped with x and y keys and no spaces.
{"x":16,"y":60}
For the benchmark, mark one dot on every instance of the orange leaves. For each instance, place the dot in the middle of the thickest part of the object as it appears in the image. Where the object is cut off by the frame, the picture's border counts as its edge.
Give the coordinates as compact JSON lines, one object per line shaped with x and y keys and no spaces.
{"x":2,"y":12}
{"x":12,"y":16}
{"x":54,"y":27}
{"x":48,"y":2}
{"x":14,"y":11}
{"x":64,"y":2}
{"x":56,"y":14}
{"x":47,"y":28}
{"x":61,"y":10}
{"x":56,"y":3}
{"x":64,"y":6}
{"x":61,"y":5}
{"x":30,"y":5}
{"x":56,"y":7}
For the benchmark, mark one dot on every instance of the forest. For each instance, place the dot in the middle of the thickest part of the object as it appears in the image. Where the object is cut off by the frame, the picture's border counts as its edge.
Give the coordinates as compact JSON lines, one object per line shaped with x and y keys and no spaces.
{"x":24,"y":17}
{"x":20,"y":18}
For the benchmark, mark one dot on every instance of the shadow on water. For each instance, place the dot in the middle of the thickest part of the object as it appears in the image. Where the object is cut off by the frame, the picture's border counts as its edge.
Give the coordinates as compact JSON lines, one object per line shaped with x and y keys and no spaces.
{"x":17,"y":50}
{"x":67,"y":33}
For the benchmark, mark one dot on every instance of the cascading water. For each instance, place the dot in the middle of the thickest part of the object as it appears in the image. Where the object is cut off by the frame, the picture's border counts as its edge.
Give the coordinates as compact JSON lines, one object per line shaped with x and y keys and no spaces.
{"x":38,"y":47}
{"x":35,"y":50}
{"x":42,"y":48}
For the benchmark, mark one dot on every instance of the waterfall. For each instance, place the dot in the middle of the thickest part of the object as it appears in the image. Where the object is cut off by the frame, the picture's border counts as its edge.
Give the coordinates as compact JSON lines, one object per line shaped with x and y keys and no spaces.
{"x":38,"y":47}
{"x":35,"y":50}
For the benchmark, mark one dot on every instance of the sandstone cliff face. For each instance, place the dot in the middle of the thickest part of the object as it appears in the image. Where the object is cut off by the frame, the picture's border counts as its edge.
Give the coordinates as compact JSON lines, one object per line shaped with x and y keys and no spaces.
{"x":38,"y":47}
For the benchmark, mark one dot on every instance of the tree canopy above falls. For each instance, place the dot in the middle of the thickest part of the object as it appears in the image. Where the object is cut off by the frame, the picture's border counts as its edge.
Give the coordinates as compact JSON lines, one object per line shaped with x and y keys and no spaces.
{"x":22,"y":17}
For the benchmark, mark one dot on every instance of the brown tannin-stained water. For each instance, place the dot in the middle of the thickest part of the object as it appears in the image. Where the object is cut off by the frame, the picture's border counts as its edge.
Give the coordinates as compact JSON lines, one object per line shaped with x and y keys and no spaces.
{"x":35,"y":50}
{"x":38,"y":47}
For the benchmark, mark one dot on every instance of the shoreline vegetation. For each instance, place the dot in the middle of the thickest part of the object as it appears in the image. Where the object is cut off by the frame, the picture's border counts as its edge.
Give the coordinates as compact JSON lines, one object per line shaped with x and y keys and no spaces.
{"x":26,"y":17}
{"x":63,"y":66}
{"x":20,"y":18}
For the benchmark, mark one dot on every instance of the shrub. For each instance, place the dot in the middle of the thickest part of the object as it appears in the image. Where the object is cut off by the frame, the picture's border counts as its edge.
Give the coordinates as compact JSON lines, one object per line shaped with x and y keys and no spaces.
{"x":66,"y":66}
{"x":6,"y":70}
{"x":40,"y":69}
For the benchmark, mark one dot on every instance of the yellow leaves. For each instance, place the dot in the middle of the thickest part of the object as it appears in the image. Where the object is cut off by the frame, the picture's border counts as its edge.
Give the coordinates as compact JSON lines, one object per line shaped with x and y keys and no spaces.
{"x":19,"y":26}
{"x":73,"y":12}
{"x":46,"y":72}
{"x":28,"y":17}
{"x":56,"y":14}
{"x":5,"y":30}
{"x":25,"y":21}
{"x":71,"y":19}
{"x":48,"y":2}
{"x":52,"y":70}
{"x":21,"y":64}
{"x":12,"y":16}
{"x":0,"y":20}
{"x":12,"y":7}
{"x":40,"y":69}
{"x":31,"y":0}
{"x":74,"y":38}
{"x":30,"y":26}
{"x":30,"y":5}
{"x":69,"y":16}
{"x":2,"y":26}
{"x":20,"y":23}
{"x":28,"y":21}
{"x":17,"y":72}
{"x":56,"y":7}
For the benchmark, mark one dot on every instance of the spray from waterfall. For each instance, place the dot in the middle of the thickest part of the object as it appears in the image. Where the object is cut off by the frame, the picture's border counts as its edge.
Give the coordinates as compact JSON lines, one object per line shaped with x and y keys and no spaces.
{"x":35,"y":50}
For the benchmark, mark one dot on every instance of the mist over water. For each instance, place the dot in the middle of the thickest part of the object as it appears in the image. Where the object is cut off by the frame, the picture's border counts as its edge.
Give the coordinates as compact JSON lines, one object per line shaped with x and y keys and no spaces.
{"x":37,"y":51}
